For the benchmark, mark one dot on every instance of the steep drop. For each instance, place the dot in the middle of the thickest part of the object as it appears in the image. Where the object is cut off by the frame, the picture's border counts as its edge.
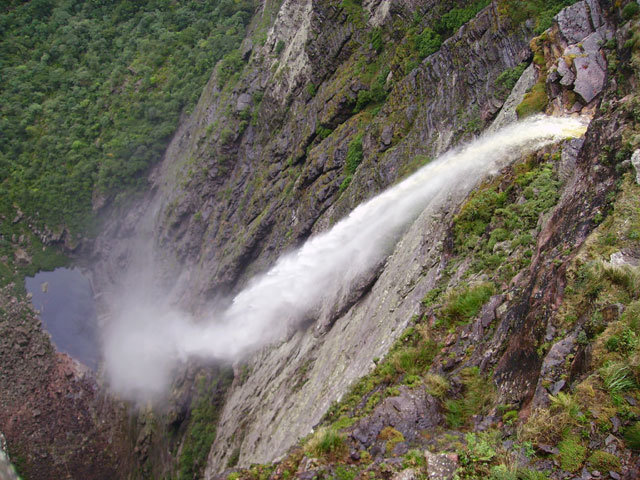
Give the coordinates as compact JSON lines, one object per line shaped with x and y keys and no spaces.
{"x":145,"y":343}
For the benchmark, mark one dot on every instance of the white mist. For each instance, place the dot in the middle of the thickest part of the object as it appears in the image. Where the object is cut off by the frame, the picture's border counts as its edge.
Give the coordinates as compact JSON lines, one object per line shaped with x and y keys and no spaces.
{"x":147,"y":340}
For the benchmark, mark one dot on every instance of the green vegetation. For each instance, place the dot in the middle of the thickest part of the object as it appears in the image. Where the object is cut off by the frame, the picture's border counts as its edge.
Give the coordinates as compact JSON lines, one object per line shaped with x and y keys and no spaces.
{"x":630,"y":10}
{"x":535,"y":101}
{"x":450,"y":22}
{"x":392,"y":437}
{"x":465,"y":303}
{"x":476,"y":399}
{"x":507,"y":79}
{"x":201,"y":430}
{"x":92,"y":92}
{"x":495,"y":221}
{"x":572,"y":453}
{"x":632,"y":436}
{"x":604,"y":461}
{"x":427,"y":42}
{"x":327,"y":443}
{"x":353,"y":159}
{"x":376,"y":95}
{"x":542,"y":11}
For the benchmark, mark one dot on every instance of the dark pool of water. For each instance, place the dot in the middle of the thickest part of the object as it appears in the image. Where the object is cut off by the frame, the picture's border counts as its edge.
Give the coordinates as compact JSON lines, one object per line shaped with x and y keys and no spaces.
{"x":67,"y":309}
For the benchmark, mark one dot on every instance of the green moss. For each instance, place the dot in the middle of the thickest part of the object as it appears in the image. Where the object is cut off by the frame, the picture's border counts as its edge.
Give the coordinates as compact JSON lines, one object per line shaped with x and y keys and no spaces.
{"x":392,"y":438}
{"x":572,"y":453}
{"x":604,"y":461}
{"x":535,"y":101}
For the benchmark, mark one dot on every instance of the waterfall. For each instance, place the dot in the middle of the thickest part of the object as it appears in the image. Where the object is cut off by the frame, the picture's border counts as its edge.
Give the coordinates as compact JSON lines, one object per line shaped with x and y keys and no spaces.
{"x":146,"y":341}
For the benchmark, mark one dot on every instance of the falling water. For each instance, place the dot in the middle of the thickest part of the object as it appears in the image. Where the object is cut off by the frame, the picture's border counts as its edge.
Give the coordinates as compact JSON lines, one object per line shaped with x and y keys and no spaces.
{"x":144,"y":346}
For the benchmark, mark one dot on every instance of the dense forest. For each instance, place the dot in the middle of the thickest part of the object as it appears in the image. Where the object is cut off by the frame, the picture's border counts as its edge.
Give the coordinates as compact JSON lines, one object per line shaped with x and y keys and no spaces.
{"x":92,"y":92}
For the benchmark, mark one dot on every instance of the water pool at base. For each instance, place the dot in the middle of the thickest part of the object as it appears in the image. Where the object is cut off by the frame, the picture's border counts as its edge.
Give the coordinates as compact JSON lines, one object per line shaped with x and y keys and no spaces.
{"x":67,"y":310}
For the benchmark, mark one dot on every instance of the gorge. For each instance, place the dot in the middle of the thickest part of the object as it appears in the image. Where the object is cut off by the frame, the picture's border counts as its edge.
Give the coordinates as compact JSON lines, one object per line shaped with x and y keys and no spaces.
{"x":391,"y":239}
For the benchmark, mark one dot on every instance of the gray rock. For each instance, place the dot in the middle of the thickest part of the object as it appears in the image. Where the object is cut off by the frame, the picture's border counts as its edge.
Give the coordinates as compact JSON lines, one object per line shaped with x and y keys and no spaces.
{"x":441,"y":466}
{"x":575,"y":22}
{"x":551,"y":365}
{"x":387,"y":135}
{"x":557,"y":387}
{"x":408,"y":474}
{"x":508,"y":113}
{"x":635,"y":161}
{"x":568,"y":160}
{"x":590,"y":66}
{"x":615,"y":421}
{"x":596,"y":13}
{"x":409,"y":413}
{"x":620,"y":259}
{"x":243,"y":102}
{"x":568,"y":77}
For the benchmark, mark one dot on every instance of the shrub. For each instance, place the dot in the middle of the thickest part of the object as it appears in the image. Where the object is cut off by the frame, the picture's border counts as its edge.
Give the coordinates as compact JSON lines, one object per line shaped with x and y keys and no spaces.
{"x":323,"y":132}
{"x":279,"y":47}
{"x":312,"y":89}
{"x":427,"y":42}
{"x":507,"y":79}
{"x":451,"y":21}
{"x":630,"y":10}
{"x":375,"y":37}
{"x":354,"y":154}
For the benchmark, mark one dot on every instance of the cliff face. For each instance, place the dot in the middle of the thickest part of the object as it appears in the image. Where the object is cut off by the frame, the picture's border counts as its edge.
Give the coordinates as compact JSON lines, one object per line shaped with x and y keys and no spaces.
{"x":262,"y":164}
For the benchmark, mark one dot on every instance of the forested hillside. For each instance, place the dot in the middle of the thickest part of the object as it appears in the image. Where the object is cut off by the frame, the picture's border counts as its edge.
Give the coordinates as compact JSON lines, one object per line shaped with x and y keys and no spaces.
{"x":91,"y":93}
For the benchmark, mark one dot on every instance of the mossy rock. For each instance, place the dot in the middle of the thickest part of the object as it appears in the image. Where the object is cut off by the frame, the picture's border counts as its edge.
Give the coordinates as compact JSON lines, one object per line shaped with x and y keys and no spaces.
{"x":535,"y":101}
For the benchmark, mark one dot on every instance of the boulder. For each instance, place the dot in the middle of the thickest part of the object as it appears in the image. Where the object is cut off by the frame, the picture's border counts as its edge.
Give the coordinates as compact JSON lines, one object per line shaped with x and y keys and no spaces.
{"x":410,"y":413}
{"x":441,"y":466}
{"x":635,"y":161}
{"x":408,"y":474}
{"x":574,"y":22}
